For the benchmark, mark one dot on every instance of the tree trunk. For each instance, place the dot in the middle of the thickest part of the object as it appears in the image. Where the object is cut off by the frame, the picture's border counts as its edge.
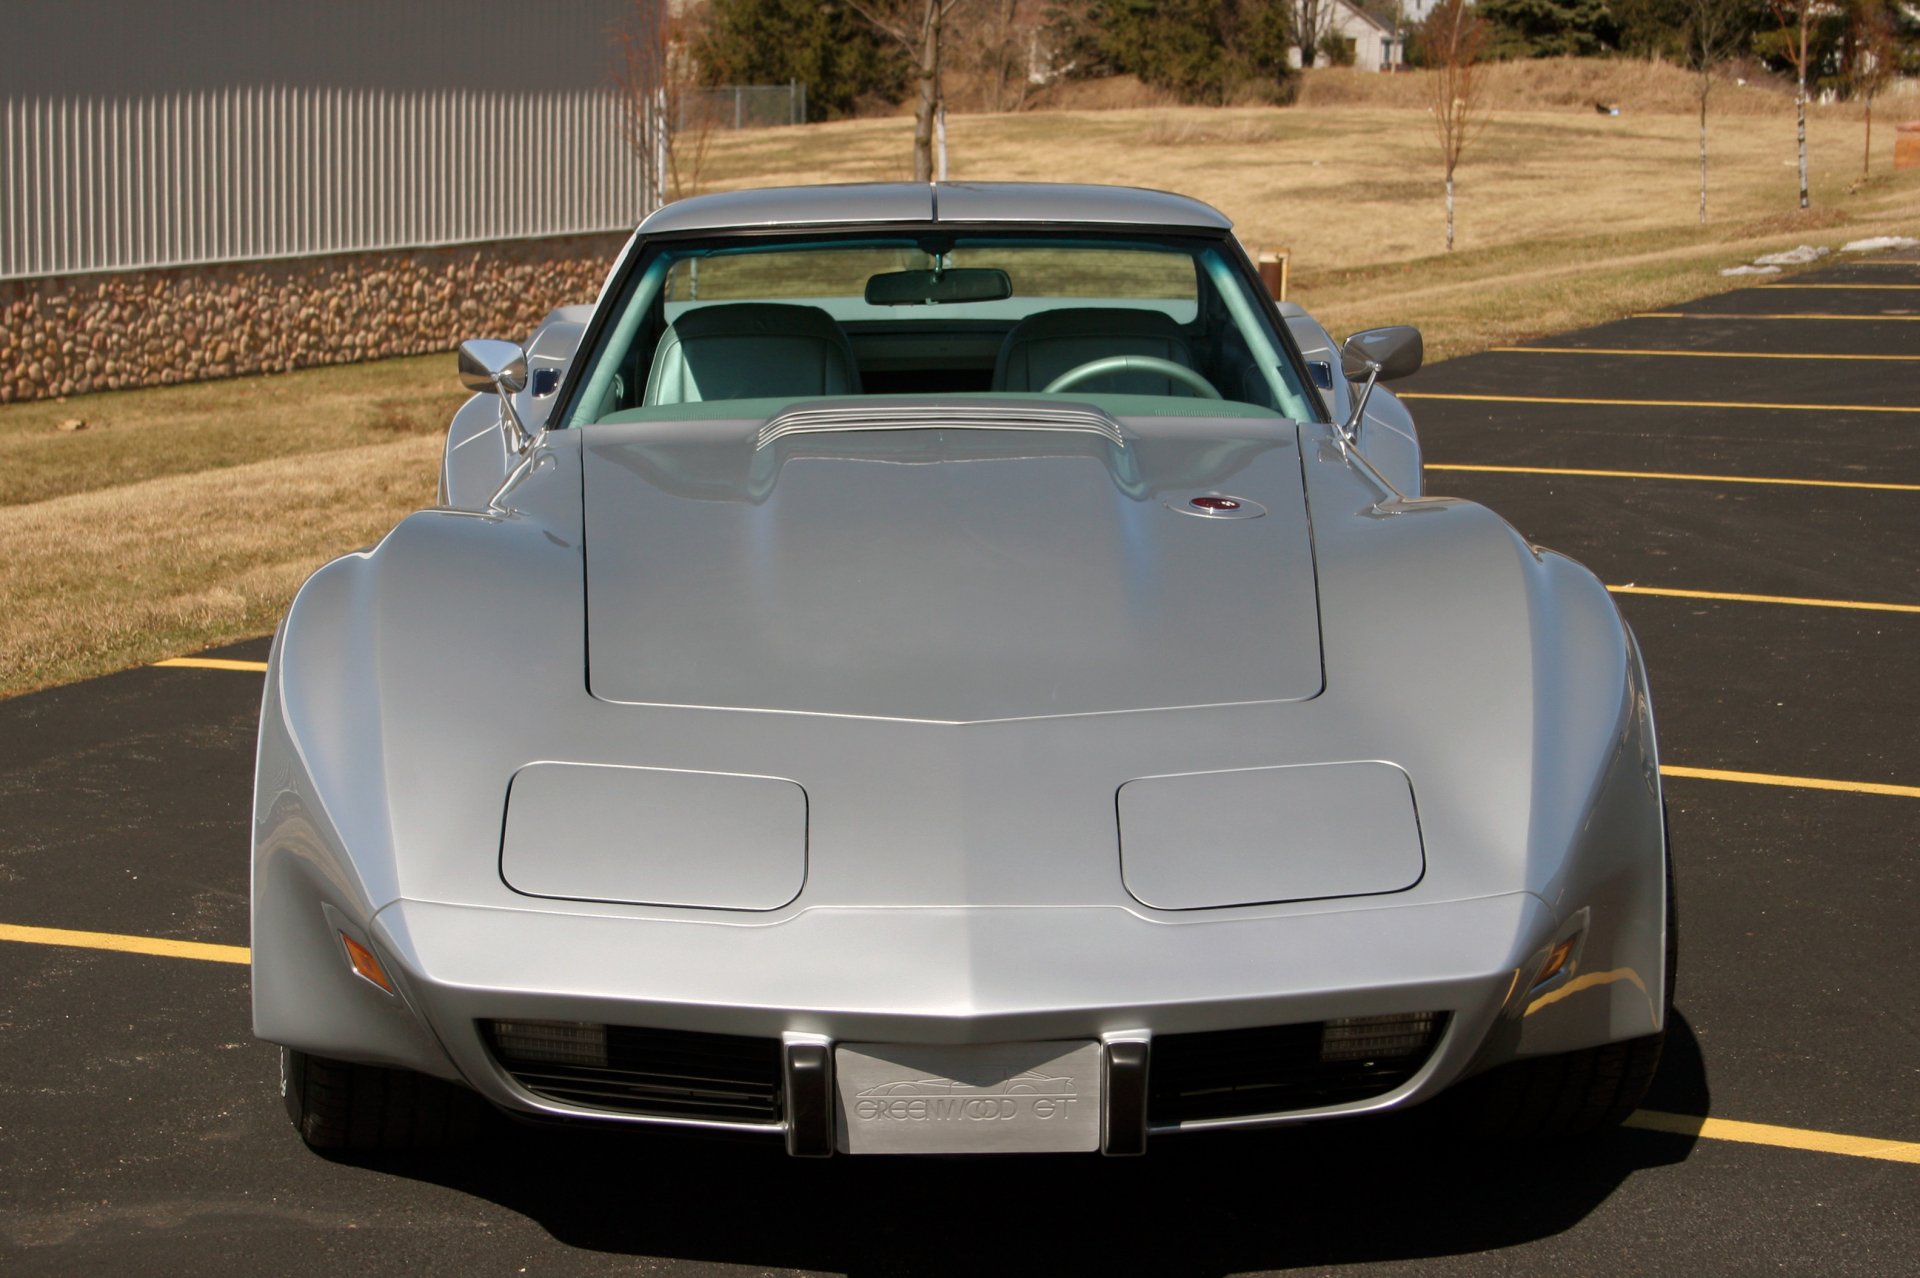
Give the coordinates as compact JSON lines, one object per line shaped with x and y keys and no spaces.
{"x":1802,"y":109}
{"x":929,"y":76}
{"x":1449,"y":210}
{"x":1801,"y":102}
{"x":1866,"y":159}
{"x":1703,"y":158}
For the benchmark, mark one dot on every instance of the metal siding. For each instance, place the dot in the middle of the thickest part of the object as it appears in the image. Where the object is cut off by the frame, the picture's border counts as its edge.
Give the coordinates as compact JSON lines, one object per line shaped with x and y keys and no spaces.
{"x":117,"y":153}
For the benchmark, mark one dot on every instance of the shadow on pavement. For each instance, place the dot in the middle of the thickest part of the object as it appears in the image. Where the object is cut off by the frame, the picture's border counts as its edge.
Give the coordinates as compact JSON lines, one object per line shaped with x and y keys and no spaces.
{"x":1375,"y":1189}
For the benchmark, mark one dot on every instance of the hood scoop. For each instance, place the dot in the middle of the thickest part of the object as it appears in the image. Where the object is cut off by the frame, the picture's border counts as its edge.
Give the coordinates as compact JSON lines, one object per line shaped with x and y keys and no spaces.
{"x":903,"y":565}
{"x":998,"y":416}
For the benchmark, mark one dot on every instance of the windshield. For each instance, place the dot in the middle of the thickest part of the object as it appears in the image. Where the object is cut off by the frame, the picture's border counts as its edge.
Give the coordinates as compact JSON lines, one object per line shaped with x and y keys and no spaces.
{"x":702,"y":325}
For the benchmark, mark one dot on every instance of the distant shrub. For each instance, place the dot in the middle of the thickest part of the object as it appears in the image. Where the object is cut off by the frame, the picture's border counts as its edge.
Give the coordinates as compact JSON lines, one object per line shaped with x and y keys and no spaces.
{"x":1204,"y":51}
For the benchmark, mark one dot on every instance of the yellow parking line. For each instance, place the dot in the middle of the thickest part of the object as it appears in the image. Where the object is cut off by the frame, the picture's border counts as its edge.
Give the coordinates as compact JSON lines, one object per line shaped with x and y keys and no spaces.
{"x":1661,"y":403}
{"x":1618,"y":350}
{"x":1893,"y":1151}
{"x":125,"y":944}
{"x":1878,"y":286}
{"x":1665,"y":474}
{"x":1799,"y":783}
{"x":212,"y":663}
{"x":1726,"y":315}
{"x":1860,"y":605}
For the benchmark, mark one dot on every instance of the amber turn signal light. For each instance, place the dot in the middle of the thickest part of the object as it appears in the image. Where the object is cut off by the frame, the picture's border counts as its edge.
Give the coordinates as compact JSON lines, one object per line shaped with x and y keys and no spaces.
{"x":1556,"y":961}
{"x":365,"y":963}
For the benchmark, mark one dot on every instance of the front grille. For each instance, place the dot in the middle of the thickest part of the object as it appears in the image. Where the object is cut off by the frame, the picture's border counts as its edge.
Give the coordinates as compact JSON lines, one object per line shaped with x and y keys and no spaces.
{"x":1275,"y":1069}
{"x":659,"y":1073}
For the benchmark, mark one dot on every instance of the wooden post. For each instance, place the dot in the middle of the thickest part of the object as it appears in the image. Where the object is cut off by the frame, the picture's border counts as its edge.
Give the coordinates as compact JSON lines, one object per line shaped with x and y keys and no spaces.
{"x":1274,"y":267}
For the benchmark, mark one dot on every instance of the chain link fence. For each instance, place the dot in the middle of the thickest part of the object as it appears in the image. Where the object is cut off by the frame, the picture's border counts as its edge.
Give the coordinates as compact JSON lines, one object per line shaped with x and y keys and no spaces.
{"x":742,"y":106}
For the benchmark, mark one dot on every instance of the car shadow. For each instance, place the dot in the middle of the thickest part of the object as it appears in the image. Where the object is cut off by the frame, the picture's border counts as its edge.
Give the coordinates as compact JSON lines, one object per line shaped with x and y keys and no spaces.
{"x":1393,"y":1188}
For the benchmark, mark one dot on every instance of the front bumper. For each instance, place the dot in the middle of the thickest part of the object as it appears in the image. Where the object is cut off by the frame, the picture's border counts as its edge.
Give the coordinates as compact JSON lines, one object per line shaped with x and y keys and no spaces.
{"x":938,"y":976}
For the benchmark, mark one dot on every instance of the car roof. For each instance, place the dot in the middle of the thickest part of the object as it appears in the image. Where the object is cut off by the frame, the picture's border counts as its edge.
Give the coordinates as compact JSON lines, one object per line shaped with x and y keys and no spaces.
{"x":869,"y":202}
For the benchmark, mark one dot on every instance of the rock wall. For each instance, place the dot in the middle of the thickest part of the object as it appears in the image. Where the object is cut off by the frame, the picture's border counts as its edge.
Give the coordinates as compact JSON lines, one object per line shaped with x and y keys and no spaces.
{"x":67,"y":335}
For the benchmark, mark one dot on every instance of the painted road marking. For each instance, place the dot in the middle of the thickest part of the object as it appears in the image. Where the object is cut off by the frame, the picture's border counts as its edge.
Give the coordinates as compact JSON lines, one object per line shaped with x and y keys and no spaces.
{"x":1797,"y":601}
{"x":1616,"y":350}
{"x":212,"y":663}
{"x":125,"y":944}
{"x":1895,"y":1151}
{"x":1801,"y":783}
{"x":1664,"y":474}
{"x":1879,"y":286}
{"x":1724,"y":315}
{"x":1661,"y":403}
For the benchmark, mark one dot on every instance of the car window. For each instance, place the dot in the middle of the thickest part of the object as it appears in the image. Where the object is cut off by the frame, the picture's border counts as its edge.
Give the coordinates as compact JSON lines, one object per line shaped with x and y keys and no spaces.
{"x":837,"y":277}
{"x":935,"y":312}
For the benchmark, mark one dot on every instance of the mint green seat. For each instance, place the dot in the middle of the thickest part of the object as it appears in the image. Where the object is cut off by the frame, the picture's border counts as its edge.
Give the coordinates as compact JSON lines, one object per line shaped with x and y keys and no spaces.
{"x":747,"y":350}
{"x":1043,"y":346}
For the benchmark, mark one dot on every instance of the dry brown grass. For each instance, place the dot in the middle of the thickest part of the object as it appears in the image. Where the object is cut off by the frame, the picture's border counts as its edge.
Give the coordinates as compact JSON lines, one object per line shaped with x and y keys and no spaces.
{"x":1573,"y":84}
{"x":113,"y":577}
{"x":133,"y":436}
{"x":1543,"y":84}
{"x":1346,"y":187}
{"x":189,"y":515}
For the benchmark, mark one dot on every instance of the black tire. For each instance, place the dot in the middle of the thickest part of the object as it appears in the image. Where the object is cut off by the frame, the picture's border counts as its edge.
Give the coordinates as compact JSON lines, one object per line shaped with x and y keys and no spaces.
{"x":335,"y":1105}
{"x":1545,"y":1098}
{"x":1574,"y":1094}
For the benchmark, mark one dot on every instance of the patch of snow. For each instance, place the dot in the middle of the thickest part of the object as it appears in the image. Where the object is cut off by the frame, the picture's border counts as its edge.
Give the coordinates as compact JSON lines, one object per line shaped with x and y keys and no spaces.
{"x":1794,"y":256}
{"x":1879,"y":242}
{"x":1751,"y":270}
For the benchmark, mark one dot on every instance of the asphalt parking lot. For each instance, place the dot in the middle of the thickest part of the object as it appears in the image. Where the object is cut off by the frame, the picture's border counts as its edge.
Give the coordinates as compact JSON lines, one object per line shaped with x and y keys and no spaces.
{"x":1745,"y":469}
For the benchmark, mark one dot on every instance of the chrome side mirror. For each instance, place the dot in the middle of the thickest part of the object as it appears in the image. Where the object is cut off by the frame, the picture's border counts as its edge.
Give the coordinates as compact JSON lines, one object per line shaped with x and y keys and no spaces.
{"x":1376,"y":355}
{"x":493,"y":368}
{"x":1386,"y":352}
{"x":498,"y":368}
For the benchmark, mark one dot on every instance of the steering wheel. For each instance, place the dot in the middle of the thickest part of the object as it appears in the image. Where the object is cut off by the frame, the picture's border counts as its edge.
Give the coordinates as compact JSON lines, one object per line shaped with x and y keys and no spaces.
{"x":1132,"y":364}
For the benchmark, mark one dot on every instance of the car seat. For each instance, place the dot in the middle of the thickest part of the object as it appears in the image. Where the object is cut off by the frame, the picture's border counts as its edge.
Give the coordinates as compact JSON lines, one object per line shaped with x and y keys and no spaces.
{"x":1043,"y":346}
{"x":743,"y":350}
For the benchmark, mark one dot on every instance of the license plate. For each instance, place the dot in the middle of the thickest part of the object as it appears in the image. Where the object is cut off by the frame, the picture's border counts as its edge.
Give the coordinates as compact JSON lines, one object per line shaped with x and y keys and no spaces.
{"x":990,"y":1098}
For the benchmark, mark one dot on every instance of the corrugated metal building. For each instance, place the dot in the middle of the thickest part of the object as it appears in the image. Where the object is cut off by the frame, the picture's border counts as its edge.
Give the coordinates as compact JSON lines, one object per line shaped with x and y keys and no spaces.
{"x":140,"y":135}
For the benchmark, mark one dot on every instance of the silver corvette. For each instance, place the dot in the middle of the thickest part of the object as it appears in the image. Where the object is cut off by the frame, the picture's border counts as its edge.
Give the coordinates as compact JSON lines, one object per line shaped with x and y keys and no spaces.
{"x":944,"y":669}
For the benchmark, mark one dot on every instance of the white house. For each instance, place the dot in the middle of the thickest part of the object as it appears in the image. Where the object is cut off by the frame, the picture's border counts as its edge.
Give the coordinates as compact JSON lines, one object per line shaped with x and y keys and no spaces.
{"x":1377,"y":45}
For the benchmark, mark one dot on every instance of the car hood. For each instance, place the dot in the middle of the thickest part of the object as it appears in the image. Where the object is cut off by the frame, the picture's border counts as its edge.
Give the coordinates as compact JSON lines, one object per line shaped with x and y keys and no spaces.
{"x":908,"y":565}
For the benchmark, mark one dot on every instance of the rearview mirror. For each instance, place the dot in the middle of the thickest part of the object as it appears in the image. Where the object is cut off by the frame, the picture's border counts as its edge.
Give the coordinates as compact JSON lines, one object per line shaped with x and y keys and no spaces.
{"x":493,"y":368}
{"x":1390,"y":352}
{"x":932,"y":288}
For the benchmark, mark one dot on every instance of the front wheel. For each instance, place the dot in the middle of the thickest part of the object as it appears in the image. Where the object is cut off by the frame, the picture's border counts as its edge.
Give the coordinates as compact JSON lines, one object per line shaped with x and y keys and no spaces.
{"x":1558,"y":1097}
{"x":336,"y":1105}
{"x":1575,"y":1093}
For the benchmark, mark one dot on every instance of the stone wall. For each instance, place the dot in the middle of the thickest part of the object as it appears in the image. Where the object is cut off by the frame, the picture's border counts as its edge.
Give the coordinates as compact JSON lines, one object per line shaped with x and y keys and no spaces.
{"x":67,"y":335}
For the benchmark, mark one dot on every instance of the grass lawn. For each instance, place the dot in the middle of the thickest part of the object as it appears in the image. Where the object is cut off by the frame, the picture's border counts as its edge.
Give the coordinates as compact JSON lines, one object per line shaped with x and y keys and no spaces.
{"x":186,"y":516}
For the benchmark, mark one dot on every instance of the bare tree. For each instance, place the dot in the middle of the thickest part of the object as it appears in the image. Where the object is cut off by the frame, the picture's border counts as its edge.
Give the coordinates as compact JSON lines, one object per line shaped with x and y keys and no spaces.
{"x":1873,"y":62}
{"x":1455,"y":37}
{"x":1712,"y":32}
{"x":1796,"y":22}
{"x":1311,"y":21}
{"x":665,"y":117}
{"x":916,"y":26}
{"x":996,"y":50}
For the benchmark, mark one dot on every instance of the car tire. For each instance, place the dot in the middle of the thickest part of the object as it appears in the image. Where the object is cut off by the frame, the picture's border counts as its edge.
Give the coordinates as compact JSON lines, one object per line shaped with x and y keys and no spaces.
{"x":336,"y":1105}
{"x":1573,"y":1094}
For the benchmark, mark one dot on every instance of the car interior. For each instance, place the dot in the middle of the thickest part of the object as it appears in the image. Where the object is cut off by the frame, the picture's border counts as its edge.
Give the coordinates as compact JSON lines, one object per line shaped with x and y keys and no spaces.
{"x":867,"y":334}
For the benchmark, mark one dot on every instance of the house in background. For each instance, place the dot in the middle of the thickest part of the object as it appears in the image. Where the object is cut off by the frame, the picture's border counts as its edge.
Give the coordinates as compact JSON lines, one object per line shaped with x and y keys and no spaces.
{"x":1376,"y":31}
